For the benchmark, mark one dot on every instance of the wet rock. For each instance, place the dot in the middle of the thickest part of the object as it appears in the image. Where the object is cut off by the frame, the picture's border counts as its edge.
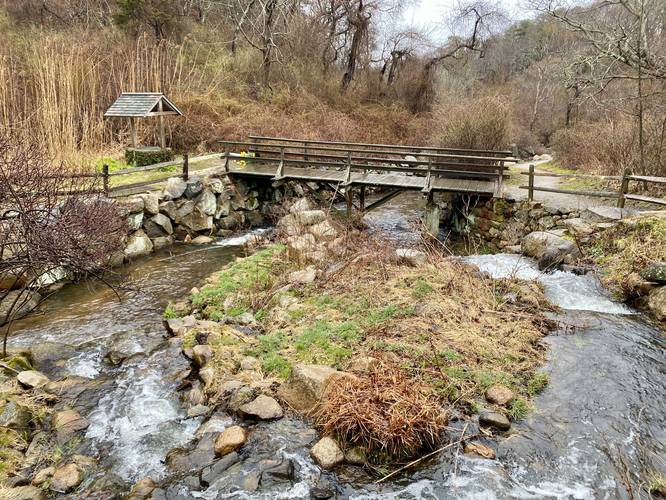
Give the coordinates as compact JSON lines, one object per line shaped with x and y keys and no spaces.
{"x":151,"y":203}
{"x":655,"y":273}
{"x":327,"y":453}
{"x":197,"y":411}
{"x":43,"y":475}
{"x":276,"y":472}
{"x":67,"y":423}
{"x":412,"y":257}
{"x":657,"y":303}
{"x":549,"y":249}
{"x":138,"y":244}
{"x":499,"y":395}
{"x":480,"y":450}
{"x":355,"y":456}
{"x":32,"y":379}
{"x":115,"y":358}
{"x":230,"y":440}
{"x":158,"y":226}
{"x":306,"y":385}
{"x":174,"y":188}
{"x":202,"y":240}
{"x":14,"y":416}
{"x":162,"y":242}
{"x":18,"y":303}
{"x":23,"y":493}
{"x":304,"y":276}
{"x":66,"y":478}
{"x":202,"y":354}
{"x":211,"y":473}
{"x":495,"y":420}
{"x":193,"y":187}
{"x":181,"y":460}
{"x":142,"y":489}
{"x":222,"y":206}
{"x":262,"y":408}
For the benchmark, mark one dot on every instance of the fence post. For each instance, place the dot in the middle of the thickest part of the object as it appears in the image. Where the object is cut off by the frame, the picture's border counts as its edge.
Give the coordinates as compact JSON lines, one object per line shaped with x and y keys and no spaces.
{"x":530,"y":184}
{"x":624,"y":188}
{"x":105,"y":179}
{"x":186,"y":166}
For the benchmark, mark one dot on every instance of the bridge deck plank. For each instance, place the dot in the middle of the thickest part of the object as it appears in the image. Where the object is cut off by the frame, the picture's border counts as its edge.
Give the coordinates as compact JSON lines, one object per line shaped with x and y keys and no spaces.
{"x":366,"y":178}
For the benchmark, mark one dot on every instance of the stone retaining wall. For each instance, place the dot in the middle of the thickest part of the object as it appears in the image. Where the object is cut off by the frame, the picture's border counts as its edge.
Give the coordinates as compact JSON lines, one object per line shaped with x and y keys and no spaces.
{"x":502,"y":224}
{"x":196,"y":211}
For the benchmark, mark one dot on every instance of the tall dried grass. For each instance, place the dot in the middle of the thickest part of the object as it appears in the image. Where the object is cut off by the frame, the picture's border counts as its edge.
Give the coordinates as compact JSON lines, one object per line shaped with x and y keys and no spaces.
{"x":385,"y":412}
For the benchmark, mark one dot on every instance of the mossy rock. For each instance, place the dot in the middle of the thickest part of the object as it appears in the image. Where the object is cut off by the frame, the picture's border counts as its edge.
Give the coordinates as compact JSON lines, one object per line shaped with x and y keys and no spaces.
{"x":140,"y":157}
{"x":20,"y":361}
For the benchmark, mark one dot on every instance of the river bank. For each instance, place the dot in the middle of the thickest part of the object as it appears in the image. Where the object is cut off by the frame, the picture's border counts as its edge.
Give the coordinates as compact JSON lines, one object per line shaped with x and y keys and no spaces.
{"x":131,"y":440}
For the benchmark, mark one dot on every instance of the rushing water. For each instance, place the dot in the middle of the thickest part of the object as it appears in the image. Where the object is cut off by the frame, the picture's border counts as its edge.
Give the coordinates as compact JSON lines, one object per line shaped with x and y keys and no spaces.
{"x":598,"y":426}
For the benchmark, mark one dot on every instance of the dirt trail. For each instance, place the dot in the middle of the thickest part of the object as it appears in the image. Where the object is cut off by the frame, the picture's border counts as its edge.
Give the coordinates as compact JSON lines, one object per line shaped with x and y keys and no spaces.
{"x":553,"y":199}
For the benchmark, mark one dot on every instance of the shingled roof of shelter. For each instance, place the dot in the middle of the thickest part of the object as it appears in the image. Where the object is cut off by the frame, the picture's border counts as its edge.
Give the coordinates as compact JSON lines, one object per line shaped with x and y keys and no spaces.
{"x":141,"y":104}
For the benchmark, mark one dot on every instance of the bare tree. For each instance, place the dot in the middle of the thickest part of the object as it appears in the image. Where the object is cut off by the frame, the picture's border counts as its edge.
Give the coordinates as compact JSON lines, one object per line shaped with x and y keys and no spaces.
{"x":625,"y":41}
{"x":52,"y":224}
{"x":473,"y":24}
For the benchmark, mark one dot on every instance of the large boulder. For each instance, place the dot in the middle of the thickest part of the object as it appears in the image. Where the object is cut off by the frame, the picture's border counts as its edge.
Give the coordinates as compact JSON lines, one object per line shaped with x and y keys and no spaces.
{"x":655,"y":273}
{"x":193,"y":187}
{"x":222,"y":206}
{"x":262,"y":408}
{"x":130,"y":205}
{"x":138,"y":244}
{"x":175,"y":187}
{"x":151,"y":203}
{"x":305,"y":387}
{"x":327,"y":453}
{"x":197,"y":220}
{"x":14,"y":416}
{"x":158,"y":226}
{"x":301,"y":205}
{"x":207,"y":204}
{"x":323,"y":230}
{"x":230,"y":440}
{"x":657,"y":303}
{"x":310,"y":217}
{"x":549,"y":249}
{"x":607,"y":214}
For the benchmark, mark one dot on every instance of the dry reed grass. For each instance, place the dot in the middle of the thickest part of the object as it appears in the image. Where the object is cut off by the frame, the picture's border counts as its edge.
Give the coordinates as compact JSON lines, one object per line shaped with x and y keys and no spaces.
{"x":384,"y":411}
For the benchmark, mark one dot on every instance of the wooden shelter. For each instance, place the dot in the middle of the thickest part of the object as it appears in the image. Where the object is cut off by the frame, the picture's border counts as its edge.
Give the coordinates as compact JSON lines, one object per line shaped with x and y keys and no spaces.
{"x":134,"y":105}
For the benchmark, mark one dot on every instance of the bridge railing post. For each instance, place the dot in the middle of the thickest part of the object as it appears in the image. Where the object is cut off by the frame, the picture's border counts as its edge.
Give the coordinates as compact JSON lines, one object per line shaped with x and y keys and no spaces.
{"x":280,"y":171}
{"x":226,"y":158}
{"x":530,"y":184}
{"x":347,"y":180}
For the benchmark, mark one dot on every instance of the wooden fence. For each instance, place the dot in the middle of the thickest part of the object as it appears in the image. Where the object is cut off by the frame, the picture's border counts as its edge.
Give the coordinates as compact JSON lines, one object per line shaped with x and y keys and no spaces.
{"x":621,"y":194}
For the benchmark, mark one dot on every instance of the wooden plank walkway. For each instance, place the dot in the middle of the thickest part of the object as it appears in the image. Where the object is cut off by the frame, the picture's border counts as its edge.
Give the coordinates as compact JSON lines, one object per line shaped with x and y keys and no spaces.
{"x":388,"y":180}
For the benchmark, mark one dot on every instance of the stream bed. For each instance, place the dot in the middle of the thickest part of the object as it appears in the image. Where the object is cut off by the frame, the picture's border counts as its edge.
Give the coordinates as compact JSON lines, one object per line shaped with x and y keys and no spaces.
{"x":599,"y":426}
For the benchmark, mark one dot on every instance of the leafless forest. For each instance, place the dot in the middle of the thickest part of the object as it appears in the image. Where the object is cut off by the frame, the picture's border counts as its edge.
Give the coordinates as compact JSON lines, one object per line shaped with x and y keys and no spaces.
{"x":584,"y":79}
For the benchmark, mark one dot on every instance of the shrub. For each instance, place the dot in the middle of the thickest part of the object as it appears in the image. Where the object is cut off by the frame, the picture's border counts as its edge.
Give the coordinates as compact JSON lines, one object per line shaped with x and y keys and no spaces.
{"x":475,"y":124}
{"x":388,"y":413}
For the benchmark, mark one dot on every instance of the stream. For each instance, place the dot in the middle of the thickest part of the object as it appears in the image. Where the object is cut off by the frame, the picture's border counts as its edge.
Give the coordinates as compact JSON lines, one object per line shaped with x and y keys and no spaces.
{"x":598,"y":426}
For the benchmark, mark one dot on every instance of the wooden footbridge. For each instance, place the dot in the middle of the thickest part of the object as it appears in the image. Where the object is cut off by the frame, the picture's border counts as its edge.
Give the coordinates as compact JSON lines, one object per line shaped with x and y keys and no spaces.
{"x":346,"y":166}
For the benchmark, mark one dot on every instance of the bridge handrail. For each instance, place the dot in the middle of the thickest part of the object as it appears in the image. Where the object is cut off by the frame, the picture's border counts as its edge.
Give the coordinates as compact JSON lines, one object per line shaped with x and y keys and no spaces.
{"x":376,"y":146}
{"x":307,"y":148}
{"x":276,"y":155}
{"x":364,"y":166}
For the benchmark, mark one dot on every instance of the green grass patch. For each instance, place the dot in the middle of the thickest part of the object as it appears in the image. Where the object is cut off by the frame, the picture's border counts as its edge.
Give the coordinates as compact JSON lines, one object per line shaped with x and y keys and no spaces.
{"x":518,"y":409}
{"x":537,"y":383}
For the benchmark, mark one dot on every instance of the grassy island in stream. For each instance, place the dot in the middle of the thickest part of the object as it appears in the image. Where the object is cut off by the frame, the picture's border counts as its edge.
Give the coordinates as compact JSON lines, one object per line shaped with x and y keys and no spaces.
{"x":442,"y":331}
